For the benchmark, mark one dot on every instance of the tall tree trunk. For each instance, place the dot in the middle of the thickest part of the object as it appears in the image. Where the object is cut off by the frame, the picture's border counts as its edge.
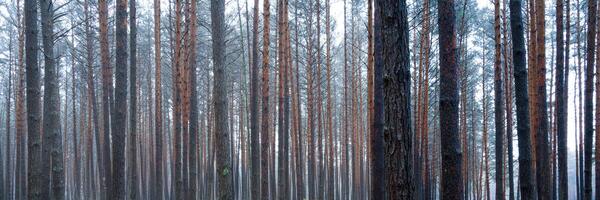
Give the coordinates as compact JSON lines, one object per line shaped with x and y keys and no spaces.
{"x":254,"y":86}
{"x":561,"y":105}
{"x":5,"y":178}
{"x":158,"y":132}
{"x":34,"y":140}
{"x":76,"y":152}
{"x":393,"y":97}
{"x":540,"y":116}
{"x":52,"y":157}
{"x":178,"y":190}
{"x":283,"y":34}
{"x":222,"y":136}
{"x":509,"y":101}
{"x":451,"y":155}
{"x":526,"y":179}
{"x":107,"y":88}
{"x":588,"y":102}
{"x":331,"y":159}
{"x":264,"y":135}
{"x":20,"y":123}
{"x":193,"y":124}
{"x":118,"y":185}
{"x":498,"y":105}
{"x":132,"y":146}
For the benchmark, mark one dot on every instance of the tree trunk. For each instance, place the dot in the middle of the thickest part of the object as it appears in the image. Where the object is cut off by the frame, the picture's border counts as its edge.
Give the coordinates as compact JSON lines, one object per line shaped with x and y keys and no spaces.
{"x":526,"y":180}
{"x":132,"y":146}
{"x":193,"y":124}
{"x":283,"y":34}
{"x":498,"y":105}
{"x":118,"y":185}
{"x":107,"y":88}
{"x":52,"y":157}
{"x":451,"y":186}
{"x":34,"y":140}
{"x":158,"y":140}
{"x":222,"y":136}
{"x":588,"y":104}
{"x":331,"y":159}
{"x":254,"y":87}
{"x":393,"y":97}
{"x":539,"y":90}
{"x":560,"y":97}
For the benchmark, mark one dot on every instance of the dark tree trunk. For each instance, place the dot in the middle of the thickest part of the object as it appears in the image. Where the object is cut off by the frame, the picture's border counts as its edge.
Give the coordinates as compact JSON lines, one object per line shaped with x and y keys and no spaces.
{"x":132,"y":146}
{"x":498,"y":106}
{"x":526,"y":179}
{"x":158,"y":137}
{"x":254,"y":86}
{"x":561,"y":123}
{"x":588,"y":100}
{"x":222,"y":138}
{"x":393,"y":56}
{"x":193,"y":103}
{"x":34,"y":146}
{"x":120,"y":115}
{"x":52,"y":145}
{"x":378,"y":173}
{"x":451,"y":186}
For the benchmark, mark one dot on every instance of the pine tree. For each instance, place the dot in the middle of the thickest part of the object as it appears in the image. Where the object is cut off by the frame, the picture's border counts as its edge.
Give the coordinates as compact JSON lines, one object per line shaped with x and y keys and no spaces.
{"x":132,"y":146}
{"x":158,"y":132}
{"x":451,"y":186}
{"x":34,"y":140}
{"x":498,"y":105}
{"x":107,"y":98}
{"x":222,"y":136}
{"x":254,"y":132}
{"x":526,"y":179}
{"x":118,"y":134}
